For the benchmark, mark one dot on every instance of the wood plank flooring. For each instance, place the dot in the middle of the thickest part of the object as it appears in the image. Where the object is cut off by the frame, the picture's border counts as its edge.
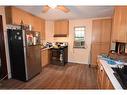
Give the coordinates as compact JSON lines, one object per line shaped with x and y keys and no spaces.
{"x":70,"y":76}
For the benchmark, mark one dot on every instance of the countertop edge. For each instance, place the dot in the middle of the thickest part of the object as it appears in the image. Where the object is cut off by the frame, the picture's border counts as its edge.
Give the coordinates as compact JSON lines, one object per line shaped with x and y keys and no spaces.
{"x":110,"y":74}
{"x":42,"y":49}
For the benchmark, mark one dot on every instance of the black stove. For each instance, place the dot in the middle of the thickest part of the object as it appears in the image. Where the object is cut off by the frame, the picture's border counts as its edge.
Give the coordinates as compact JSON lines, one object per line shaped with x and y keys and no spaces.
{"x":121,"y":75}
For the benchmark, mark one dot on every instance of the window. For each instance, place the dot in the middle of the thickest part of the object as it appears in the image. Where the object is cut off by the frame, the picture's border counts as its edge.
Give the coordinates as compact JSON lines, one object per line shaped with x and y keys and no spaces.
{"x":79,"y":37}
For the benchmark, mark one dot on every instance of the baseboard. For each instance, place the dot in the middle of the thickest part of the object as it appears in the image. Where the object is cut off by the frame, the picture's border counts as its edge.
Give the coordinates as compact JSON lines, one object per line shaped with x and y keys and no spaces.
{"x":79,"y":63}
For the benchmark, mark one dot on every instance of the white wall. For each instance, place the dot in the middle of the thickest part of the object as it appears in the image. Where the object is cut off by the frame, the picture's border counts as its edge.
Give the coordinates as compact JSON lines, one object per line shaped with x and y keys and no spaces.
{"x":74,"y":55}
{"x":80,"y":55}
{"x":2,"y":12}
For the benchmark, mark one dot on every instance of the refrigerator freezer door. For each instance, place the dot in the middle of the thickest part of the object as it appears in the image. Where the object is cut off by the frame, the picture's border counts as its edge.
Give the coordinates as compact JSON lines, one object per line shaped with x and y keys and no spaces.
{"x":0,"y":67}
{"x":16,"y":52}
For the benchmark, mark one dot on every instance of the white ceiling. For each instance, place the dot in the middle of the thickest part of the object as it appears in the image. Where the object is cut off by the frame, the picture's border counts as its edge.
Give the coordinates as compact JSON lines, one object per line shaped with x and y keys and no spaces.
{"x":76,"y":12}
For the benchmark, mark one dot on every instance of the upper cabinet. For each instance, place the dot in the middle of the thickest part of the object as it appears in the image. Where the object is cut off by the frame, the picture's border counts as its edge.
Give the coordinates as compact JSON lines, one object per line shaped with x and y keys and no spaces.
{"x":39,"y":25}
{"x":101,"y":31}
{"x":61,"y":28}
{"x":16,"y":16}
{"x":119,"y":29}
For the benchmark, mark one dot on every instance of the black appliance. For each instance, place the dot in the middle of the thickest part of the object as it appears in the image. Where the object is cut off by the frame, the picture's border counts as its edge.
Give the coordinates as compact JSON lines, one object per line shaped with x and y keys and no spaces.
{"x":121,"y":75}
{"x":0,"y":67}
{"x":120,"y":47}
{"x":59,"y":56}
{"x":24,"y":51}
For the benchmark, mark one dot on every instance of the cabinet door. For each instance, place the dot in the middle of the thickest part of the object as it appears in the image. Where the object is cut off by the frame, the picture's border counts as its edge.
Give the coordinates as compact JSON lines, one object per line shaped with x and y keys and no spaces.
{"x":119,"y":24}
{"x":43,"y":29}
{"x":57,"y":28}
{"x":102,"y":78}
{"x":99,"y":48}
{"x":17,"y":16}
{"x":104,"y":48}
{"x":27,"y":18}
{"x":99,"y":76}
{"x":109,"y":86}
{"x":106,"y":82}
{"x":95,"y":52}
{"x":44,"y":57}
{"x":101,"y":30}
{"x":123,"y":24}
{"x":96,"y":30}
{"x":64,"y":27}
{"x":36,"y":24}
{"x":115,"y":24}
{"x":106,"y":31}
{"x":61,"y":28}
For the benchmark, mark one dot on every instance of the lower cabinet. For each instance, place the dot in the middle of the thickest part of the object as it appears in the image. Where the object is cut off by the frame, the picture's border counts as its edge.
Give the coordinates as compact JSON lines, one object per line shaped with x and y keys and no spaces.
{"x":45,"y":57}
{"x":102,"y":78}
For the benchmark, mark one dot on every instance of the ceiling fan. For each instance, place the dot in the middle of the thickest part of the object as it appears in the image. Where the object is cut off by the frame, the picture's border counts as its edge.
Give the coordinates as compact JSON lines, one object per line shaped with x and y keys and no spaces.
{"x":60,"y":7}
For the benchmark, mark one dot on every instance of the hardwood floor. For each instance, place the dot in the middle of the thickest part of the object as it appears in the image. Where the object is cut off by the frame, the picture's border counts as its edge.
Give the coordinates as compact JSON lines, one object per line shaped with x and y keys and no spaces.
{"x":70,"y":76}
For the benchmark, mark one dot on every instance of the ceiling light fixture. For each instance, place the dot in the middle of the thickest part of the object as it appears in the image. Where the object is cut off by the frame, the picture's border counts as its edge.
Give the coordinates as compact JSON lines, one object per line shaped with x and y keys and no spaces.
{"x":52,"y":6}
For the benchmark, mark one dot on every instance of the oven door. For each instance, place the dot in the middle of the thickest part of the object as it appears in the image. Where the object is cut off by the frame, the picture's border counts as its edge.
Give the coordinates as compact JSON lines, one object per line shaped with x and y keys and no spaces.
{"x":57,"y":57}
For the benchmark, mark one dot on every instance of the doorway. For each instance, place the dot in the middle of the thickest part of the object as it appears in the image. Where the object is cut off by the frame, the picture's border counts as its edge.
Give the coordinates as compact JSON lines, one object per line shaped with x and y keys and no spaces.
{"x":3,"y":64}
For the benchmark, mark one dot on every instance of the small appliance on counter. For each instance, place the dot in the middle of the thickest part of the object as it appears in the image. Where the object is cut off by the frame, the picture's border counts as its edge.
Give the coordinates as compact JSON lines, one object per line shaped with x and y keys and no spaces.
{"x":59,"y":55}
{"x":48,"y":44}
{"x":24,"y":51}
{"x":120,"y":47}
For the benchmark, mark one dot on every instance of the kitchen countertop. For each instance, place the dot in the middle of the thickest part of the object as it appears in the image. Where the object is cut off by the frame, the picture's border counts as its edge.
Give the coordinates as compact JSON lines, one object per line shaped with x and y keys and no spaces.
{"x":110,"y":74}
{"x":45,"y":48}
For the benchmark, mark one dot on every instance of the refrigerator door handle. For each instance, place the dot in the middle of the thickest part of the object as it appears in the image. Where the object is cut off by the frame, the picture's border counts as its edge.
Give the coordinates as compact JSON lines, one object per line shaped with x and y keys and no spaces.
{"x":25,"y":55}
{"x":0,"y":62}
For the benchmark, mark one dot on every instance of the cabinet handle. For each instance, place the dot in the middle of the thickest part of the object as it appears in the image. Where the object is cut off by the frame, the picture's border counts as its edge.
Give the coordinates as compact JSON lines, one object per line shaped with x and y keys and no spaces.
{"x":101,"y":68}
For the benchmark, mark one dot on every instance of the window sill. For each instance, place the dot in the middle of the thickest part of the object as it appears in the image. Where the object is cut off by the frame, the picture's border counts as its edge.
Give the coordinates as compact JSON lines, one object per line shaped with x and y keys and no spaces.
{"x":79,"y":47}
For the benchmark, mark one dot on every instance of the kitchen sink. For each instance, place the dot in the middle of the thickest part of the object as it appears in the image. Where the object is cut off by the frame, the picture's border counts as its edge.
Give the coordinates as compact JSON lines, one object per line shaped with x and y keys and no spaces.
{"x":109,"y":61}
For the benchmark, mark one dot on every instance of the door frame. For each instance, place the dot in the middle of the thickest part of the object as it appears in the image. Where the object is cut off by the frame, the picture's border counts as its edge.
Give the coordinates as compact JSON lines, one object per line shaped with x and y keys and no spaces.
{"x":2,"y":50}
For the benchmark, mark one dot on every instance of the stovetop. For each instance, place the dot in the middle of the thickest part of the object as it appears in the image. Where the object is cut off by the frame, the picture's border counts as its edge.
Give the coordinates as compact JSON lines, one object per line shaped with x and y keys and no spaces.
{"x":121,"y":75}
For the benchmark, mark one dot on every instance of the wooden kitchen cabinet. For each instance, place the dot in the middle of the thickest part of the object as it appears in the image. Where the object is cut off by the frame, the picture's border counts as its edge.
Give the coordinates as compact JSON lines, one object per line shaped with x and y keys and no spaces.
{"x":61,"y":28}
{"x":36,"y":24}
{"x":101,"y":35}
{"x":43,"y":29}
{"x":15,"y":16}
{"x":98,"y":48}
{"x":101,"y":30}
{"x":106,"y":31}
{"x":39,"y":25}
{"x":102,"y":78}
{"x":45,"y":57}
{"x":95,"y":49}
{"x":96,"y":31}
{"x":119,"y":30}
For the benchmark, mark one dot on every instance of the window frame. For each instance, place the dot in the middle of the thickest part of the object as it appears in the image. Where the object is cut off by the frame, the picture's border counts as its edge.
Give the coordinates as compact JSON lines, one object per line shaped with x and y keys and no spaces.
{"x":80,"y":47}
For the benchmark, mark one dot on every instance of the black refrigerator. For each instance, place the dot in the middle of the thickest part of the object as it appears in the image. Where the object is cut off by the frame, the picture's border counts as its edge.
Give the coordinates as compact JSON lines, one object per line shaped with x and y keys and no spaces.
{"x":24,"y":52}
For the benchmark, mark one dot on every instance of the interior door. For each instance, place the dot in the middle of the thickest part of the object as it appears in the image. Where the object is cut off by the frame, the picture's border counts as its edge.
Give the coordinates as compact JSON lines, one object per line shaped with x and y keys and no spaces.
{"x":3,"y":67}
